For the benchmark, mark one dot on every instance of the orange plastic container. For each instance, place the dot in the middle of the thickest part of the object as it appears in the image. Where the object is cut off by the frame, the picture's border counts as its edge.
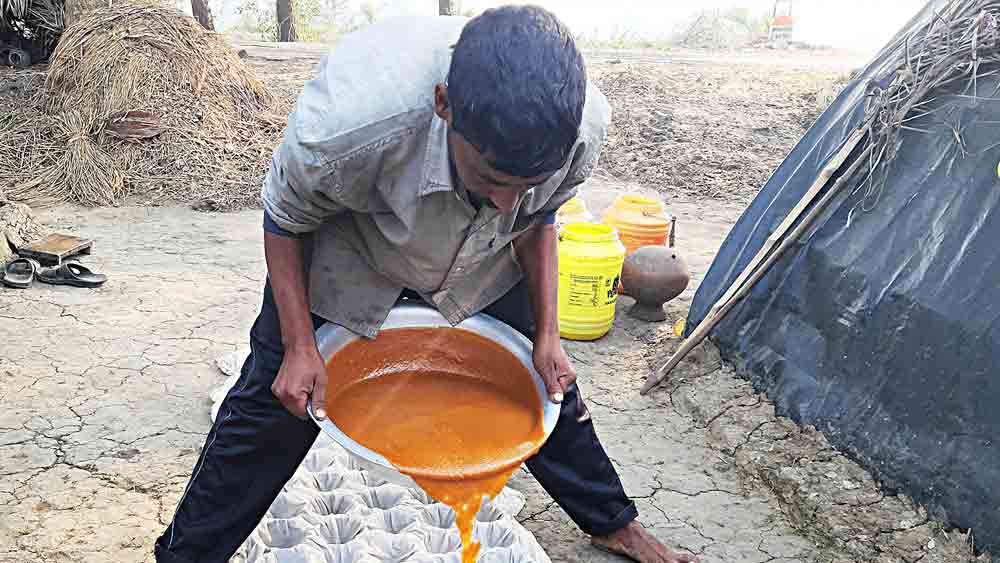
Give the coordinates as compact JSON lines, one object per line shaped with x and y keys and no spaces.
{"x":640,"y":221}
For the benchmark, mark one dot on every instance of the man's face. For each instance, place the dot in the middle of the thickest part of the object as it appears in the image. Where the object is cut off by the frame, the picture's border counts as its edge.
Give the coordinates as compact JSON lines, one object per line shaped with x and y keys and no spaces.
{"x":474,"y":168}
{"x":480,"y":179}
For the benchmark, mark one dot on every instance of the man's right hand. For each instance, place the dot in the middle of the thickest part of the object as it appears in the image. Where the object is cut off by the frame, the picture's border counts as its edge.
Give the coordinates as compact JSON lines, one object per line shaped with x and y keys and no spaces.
{"x":302,"y":374}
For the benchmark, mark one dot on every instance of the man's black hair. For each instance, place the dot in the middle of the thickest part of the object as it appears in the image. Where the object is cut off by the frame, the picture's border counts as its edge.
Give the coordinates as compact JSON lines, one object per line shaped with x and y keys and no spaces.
{"x":516,"y":88}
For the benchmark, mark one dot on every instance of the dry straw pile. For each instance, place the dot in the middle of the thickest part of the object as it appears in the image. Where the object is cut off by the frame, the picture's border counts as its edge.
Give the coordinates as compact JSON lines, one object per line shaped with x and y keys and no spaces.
{"x":139,"y":100}
{"x":700,"y":131}
{"x":939,"y":68}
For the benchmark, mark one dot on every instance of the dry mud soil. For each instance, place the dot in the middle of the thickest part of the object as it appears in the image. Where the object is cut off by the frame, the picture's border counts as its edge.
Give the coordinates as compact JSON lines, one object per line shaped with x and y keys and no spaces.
{"x":105,"y":405}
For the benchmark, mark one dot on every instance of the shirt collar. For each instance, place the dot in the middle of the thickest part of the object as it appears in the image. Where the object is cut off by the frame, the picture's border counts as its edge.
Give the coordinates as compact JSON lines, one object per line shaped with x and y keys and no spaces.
{"x":437,"y":165}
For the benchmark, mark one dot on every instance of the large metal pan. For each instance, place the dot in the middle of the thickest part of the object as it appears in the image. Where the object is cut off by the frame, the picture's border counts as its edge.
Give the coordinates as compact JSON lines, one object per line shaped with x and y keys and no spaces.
{"x":331,"y":338}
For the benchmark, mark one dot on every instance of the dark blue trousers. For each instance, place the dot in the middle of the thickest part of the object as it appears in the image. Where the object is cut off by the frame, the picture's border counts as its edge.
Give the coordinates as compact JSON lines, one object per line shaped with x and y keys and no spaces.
{"x":255,"y":446}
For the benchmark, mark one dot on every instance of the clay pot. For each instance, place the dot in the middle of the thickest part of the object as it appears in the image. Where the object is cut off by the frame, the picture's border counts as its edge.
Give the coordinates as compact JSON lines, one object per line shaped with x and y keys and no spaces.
{"x":653,"y":275}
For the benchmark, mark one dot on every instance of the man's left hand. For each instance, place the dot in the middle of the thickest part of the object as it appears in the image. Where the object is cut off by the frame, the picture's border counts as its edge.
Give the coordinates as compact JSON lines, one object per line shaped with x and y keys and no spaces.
{"x":554,"y":366}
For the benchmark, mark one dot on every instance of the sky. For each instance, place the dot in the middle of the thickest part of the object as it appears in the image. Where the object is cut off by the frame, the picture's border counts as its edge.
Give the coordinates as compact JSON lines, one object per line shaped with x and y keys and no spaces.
{"x":857,"y":24}
{"x":861,"y":25}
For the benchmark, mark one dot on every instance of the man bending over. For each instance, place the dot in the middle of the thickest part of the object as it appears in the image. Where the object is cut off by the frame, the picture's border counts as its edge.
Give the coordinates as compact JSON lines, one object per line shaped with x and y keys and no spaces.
{"x":425,"y":161}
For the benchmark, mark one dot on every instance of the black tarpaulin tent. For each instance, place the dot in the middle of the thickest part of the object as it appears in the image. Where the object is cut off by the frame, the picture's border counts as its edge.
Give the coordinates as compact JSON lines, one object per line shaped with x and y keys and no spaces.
{"x":881,"y":326}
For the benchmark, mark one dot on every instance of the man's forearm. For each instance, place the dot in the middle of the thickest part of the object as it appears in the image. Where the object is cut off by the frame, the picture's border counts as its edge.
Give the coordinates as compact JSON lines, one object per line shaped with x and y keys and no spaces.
{"x":537,"y":251}
{"x":286,"y":268}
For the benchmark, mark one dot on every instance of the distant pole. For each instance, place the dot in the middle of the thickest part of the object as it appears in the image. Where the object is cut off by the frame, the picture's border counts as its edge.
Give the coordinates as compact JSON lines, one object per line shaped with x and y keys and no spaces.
{"x":285,"y":11}
{"x":446,"y":7}
{"x":202,"y":13}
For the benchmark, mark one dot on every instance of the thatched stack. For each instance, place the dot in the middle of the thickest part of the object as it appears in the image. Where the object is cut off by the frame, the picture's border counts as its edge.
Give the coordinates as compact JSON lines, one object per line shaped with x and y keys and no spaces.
{"x":712,"y":30}
{"x":139,"y":99}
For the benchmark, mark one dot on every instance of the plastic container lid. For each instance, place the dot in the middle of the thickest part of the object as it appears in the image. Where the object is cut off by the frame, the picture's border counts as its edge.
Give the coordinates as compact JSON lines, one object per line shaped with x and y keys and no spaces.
{"x":588,"y":232}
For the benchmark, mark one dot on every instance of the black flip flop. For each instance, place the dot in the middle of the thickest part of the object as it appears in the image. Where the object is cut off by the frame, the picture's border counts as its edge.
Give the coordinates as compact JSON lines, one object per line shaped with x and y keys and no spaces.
{"x":72,"y":273}
{"x":20,"y":273}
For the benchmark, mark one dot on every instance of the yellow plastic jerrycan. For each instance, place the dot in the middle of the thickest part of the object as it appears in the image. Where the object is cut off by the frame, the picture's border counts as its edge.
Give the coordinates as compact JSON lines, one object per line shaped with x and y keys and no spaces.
{"x":574,"y":211}
{"x":640,"y":220}
{"x":590,"y":267}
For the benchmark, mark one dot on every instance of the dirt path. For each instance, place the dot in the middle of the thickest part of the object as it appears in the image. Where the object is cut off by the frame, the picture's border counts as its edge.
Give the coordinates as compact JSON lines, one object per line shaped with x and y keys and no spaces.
{"x":105,"y":405}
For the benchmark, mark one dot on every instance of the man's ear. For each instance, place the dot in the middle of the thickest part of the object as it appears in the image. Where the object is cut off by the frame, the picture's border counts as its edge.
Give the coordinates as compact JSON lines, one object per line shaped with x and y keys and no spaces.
{"x":441,"y":106}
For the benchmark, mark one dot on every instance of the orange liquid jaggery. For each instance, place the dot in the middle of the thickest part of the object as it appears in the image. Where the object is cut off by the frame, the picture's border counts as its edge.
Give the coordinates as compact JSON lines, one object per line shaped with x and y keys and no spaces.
{"x":451,"y":409}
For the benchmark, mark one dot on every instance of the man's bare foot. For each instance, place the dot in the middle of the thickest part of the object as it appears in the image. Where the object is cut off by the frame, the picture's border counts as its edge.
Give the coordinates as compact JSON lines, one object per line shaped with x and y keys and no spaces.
{"x":634,"y":542}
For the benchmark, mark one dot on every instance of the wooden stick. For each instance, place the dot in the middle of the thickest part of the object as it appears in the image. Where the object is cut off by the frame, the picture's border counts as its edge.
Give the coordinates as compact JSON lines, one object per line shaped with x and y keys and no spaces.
{"x":765,"y":258}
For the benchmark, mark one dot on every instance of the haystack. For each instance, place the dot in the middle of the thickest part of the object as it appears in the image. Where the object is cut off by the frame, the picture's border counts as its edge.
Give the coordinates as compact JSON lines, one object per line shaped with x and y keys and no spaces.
{"x":140,"y":100}
{"x":712,"y":30}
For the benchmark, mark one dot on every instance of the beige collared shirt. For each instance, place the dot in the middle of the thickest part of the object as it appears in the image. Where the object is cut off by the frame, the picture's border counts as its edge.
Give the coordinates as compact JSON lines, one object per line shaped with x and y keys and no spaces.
{"x":364,"y":169}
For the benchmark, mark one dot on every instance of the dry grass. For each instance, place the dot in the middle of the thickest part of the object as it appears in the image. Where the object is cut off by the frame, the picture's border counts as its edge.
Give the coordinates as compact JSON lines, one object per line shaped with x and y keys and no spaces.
{"x":121,"y":58}
{"x":216,"y":132}
{"x":705,"y":130}
{"x":81,"y":172}
{"x":935,"y":69}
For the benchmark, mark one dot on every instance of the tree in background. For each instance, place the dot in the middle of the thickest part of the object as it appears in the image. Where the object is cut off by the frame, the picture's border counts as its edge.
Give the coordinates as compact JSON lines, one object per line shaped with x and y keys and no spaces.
{"x":315,"y":21}
{"x":203,"y":13}
{"x":285,"y":11}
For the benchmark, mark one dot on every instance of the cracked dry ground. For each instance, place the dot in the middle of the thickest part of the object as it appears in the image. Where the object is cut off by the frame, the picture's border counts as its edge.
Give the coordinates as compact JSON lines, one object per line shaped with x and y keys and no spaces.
{"x":104,"y":405}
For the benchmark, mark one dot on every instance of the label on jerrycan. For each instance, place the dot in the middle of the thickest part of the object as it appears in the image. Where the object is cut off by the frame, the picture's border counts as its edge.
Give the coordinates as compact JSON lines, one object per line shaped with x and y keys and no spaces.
{"x":592,"y":290}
